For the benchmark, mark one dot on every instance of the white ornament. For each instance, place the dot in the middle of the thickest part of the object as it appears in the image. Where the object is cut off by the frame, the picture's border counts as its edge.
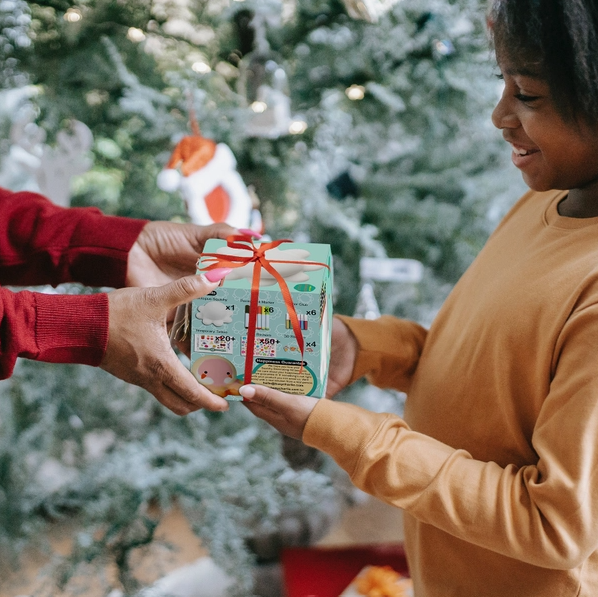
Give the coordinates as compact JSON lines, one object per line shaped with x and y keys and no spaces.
{"x":367,"y":305}
{"x":384,"y":269}
{"x":368,"y":10}
{"x":52,"y":167}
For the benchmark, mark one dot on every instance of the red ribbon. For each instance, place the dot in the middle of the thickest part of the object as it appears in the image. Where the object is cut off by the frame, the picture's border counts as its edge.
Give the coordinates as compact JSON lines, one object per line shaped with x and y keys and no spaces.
{"x":259,"y":259}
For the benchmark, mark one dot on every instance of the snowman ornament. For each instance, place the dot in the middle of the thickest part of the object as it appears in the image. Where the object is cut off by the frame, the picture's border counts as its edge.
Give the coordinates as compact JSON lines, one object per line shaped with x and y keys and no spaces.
{"x":205,"y":173}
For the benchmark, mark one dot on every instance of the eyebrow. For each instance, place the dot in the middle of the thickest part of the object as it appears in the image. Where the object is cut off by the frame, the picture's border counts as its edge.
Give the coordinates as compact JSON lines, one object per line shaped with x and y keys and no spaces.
{"x":524,"y":72}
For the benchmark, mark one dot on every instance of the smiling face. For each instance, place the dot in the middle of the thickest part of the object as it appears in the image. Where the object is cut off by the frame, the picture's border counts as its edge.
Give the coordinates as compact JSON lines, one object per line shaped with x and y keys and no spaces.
{"x":551,"y":153}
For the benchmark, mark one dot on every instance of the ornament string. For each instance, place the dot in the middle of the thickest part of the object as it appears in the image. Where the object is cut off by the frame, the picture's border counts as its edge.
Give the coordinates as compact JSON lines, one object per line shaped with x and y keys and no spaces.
{"x":210,"y":261}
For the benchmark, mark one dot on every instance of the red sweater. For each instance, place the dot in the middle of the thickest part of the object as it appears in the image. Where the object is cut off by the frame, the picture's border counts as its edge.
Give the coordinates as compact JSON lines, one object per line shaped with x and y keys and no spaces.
{"x":41,"y":243}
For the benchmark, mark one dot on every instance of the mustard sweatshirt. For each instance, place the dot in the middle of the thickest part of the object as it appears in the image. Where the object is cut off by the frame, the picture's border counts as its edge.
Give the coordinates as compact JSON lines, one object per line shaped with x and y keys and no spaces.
{"x":496,"y":461}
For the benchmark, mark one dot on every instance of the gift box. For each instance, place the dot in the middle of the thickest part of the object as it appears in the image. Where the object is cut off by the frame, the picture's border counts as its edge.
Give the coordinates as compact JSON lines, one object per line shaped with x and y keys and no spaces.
{"x":328,"y":571}
{"x":379,"y":581}
{"x":270,"y":320}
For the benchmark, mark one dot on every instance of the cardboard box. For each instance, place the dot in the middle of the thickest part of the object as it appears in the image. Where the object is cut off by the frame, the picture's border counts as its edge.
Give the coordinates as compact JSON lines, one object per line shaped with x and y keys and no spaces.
{"x":221,"y":322}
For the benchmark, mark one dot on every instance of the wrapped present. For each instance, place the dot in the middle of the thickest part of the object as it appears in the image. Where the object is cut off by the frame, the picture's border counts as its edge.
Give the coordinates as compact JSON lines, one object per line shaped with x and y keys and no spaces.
{"x":270,"y":320}
{"x":327,"y":571}
{"x":379,"y":581}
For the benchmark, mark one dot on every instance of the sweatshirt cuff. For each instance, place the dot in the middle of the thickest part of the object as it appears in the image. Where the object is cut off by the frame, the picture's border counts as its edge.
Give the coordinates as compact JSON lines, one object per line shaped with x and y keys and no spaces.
{"x":100,"y":248}
{"x":71,"y":328}
{"x":388,"y":349}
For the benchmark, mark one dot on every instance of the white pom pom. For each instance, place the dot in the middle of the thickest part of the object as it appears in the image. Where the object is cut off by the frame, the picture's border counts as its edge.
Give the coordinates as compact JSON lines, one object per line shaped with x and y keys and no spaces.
{"x":169,"y":180}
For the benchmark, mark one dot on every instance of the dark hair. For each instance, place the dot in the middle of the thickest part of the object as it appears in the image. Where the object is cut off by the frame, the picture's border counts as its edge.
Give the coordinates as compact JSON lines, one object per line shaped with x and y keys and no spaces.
{"x":559,"y":40}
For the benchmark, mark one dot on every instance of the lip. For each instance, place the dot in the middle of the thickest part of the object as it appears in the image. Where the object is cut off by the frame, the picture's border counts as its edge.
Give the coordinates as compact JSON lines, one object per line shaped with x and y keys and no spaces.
{"x":521,"y":161}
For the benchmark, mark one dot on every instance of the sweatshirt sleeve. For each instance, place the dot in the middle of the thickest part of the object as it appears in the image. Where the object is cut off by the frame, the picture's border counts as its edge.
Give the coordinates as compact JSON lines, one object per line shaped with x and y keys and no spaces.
{"x":543,"y":513}
{"x":388,"y":350}
{"x":42,"y":243}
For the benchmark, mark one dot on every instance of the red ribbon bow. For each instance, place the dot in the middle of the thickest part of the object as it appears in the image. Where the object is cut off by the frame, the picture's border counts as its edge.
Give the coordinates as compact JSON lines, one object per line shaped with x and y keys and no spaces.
{"x":259,"y":259}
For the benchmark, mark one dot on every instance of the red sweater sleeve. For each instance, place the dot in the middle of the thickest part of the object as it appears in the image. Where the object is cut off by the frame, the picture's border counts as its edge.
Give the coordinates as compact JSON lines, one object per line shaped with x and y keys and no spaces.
{"x":41,"y":243}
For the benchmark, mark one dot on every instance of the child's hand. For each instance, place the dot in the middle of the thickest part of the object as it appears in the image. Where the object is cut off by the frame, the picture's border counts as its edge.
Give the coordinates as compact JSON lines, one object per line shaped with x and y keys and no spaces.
{"x":342,"y":358}
{"x":286,"y":412}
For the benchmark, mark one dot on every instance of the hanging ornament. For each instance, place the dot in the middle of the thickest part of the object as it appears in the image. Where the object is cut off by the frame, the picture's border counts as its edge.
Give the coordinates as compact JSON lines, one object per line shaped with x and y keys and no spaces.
{"x":265,"y":85}
{"x":271,"y":109}
{"x":205,"y":173}
{"x":52,"y":167}
{"x":368,"y":10}
{"x":367,"y":305}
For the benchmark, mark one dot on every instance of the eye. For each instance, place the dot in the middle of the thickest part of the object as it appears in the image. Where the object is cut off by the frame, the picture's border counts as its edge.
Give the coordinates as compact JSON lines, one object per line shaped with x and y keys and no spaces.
{"x":500,"y":76}
{"x":526,"y":99}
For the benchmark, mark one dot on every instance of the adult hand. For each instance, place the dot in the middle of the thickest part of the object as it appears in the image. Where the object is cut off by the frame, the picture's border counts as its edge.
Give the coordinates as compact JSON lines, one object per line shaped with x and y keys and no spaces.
{"x":287,"y":413}
{"x":342,"y":357}
{"x":139,"y":350}
{"x":166,"y":251}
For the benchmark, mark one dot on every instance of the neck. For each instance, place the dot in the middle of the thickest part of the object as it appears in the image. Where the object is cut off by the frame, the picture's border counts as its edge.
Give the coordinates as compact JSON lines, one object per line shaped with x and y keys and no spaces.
{"x":580,"y":203}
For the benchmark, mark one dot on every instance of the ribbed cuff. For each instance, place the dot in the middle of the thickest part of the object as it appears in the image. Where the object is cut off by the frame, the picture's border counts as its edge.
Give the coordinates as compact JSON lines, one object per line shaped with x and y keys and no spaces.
{"x":71,"y":328}
{"x":364,"y":331}
{"x":100,"y":247}
{"x":388,"y":350}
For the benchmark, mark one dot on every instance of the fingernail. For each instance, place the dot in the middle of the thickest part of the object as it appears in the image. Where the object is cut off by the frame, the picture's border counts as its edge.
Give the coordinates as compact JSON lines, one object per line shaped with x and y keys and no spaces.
{"x":248,"y":232}
{"x":247,"y":392}
{"x":217,"y":274}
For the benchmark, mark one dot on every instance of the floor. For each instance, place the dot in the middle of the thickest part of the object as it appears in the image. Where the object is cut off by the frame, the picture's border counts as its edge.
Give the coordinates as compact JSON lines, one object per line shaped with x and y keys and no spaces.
{"x":368,"y":522}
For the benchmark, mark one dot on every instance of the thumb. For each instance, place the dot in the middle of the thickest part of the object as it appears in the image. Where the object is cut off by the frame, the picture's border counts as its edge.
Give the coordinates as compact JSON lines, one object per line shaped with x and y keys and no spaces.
{"x":184,"y":290}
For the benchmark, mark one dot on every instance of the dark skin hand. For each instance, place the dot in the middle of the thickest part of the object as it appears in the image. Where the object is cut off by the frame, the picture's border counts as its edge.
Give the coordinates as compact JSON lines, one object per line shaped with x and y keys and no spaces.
{"x":161,"y":265}
{"x":288,"y":413}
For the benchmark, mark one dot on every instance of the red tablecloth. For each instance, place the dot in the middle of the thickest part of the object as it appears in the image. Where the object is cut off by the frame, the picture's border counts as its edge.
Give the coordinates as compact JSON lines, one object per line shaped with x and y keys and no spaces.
{"x":326,"y":572}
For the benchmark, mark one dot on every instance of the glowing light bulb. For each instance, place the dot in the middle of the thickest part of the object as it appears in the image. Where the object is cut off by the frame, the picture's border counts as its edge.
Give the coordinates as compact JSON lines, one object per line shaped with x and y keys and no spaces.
{"x":259,"y":107}
{"x":201,"y":67}
{"x":135,"y":34}
{"x":73,"y":15}
{"x":355,"y":92}
{"x":297,"y":127}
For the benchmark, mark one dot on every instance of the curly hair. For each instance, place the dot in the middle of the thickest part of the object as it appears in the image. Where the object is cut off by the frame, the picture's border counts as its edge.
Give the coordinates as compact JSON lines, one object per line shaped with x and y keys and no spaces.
{"x":558,"y":39}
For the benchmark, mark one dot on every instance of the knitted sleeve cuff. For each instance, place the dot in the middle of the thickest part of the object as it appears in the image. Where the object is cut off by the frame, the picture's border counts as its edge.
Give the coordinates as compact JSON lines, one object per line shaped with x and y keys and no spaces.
{"x":71,"y":328}
{"x":100,"y":247}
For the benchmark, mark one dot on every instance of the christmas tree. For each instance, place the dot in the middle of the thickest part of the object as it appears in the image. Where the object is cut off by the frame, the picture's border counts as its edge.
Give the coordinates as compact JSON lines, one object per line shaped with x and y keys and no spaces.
{"x":365,"y":125}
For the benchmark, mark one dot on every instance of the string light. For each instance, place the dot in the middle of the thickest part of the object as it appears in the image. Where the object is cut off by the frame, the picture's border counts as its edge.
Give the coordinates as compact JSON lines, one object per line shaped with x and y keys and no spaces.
{"x":355,"y":92}
{"x":73,"y":15}
{"x":259,"y":107}
{"x":201,"y":67}
{"x":135,"y":34}
{"x":297,"y":127}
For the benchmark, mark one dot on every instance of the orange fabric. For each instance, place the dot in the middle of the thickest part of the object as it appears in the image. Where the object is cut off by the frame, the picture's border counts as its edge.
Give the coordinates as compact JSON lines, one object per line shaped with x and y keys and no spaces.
{"x":218,"y":204}
{"x":495,"y":460}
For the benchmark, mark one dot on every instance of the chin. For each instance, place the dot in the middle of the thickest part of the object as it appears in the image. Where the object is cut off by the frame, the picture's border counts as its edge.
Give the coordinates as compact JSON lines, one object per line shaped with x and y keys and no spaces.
{"x":537,"y":185}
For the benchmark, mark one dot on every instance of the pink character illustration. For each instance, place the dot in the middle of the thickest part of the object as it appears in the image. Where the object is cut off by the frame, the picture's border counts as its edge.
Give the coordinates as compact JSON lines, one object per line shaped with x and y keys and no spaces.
{"x":217,"y":374}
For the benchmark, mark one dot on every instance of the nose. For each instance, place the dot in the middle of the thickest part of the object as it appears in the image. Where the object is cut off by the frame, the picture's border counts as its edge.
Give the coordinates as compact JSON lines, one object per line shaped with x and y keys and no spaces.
{"x":503,"y":115}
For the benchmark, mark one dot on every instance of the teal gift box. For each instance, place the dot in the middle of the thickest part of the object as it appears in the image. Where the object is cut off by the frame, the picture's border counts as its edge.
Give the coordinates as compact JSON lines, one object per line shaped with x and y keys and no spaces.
{"x":223,"y":321}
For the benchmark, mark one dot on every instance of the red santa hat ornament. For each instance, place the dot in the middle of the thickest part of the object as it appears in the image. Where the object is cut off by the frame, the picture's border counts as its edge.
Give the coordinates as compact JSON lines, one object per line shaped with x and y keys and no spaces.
{"x":205,"y":173}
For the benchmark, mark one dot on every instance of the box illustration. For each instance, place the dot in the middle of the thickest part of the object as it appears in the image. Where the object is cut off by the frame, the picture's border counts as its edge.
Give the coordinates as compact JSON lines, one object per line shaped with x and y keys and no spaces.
{"x":278,"y":300}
